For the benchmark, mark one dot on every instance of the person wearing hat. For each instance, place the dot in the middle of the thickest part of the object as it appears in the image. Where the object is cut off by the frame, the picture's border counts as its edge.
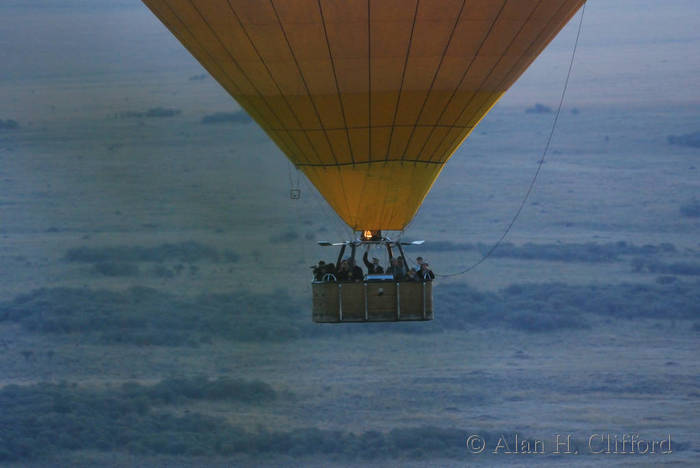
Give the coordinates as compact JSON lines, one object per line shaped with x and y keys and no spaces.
{"x":373,"y":268}
{"x":425,"y":273}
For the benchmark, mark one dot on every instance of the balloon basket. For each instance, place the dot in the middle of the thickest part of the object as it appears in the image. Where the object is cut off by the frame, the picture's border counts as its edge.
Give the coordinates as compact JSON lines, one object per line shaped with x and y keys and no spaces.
{"x":370,"y":301}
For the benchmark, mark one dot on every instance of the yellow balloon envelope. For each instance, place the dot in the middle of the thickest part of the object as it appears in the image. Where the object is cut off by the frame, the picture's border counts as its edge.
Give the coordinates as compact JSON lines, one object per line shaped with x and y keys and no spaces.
{"x":369,"y":98}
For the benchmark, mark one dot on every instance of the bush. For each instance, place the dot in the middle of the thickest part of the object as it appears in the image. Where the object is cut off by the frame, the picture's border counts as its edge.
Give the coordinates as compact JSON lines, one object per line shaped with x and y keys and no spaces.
{"x":447,"y":246}
{"x":188,"y":252}
{"x":557,"y":306}
{"x":116,"y":269}
{"x":42,"y":419}
{"x":666,"y":279}
{"x":145,"y":316}
{"x":287,"y":236}
{"x":689,"y":139}
{"x":239,"y":117}
{"x":8,"y":124}
{"x":535,"y":322}
{"x":162,"y":112}
{"x":588,"y":252}
{"x":691,"y":209}
{"x":201,"y":388}
{"x":154,"y":112}
{"x":678,"y":268}
{"x":162,"y":271}
{"x":538,"y":109}
{"x":231,"y":257}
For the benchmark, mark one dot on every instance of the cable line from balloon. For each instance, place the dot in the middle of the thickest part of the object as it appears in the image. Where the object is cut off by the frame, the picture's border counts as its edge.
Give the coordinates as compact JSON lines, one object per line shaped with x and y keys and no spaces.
{"x":539,"y":164}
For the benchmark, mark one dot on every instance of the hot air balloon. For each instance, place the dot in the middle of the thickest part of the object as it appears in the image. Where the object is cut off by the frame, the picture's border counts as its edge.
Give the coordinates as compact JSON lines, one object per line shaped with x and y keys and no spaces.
{"x":368,"y":98}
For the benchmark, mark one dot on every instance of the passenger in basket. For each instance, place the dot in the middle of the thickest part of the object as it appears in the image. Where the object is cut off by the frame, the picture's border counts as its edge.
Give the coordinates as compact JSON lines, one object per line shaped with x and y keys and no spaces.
{"x":356,"y":273}
{"x":425,"y":273}
{"x":396,"y":269}
{"x":412,"y":276}
{"x":344,"y":272}
{"x":319,"y":270}
{"x":373,"y":268}
{"x":419,"y":262}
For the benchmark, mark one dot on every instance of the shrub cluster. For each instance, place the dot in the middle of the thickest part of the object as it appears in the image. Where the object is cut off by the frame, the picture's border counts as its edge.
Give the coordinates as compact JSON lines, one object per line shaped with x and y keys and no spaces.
{"x":574,"y":252}
{"x":43,"y":419}
{"x":691,"y":209}
{"x":146,"y":316}
{"x":661,"y":268}
{"x":153,"y":112}
{"x":116,"y":269}
{"x":287,"y":236}
{"x":176,"y":390}
{"x":239,"y":117}
{"x":555,"y":306}
{"x":538,"y":109}
{"x":8,"y":124}
{"x":189,"y":252}
{"x":689,"y":139}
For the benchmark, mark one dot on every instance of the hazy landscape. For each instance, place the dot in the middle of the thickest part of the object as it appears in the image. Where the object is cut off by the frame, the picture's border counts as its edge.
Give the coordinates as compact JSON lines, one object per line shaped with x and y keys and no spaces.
{"x":155,"y":281}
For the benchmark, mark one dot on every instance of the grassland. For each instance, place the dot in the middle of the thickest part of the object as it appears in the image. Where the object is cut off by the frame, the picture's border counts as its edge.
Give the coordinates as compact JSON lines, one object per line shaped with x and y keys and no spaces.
{"x":154,"y":283}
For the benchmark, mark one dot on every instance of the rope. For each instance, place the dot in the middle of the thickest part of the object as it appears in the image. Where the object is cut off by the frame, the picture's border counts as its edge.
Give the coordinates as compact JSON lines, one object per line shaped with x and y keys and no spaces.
{"x":292,"y":184}
{"x":298,"y":210}
{"x":539,"y":164}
